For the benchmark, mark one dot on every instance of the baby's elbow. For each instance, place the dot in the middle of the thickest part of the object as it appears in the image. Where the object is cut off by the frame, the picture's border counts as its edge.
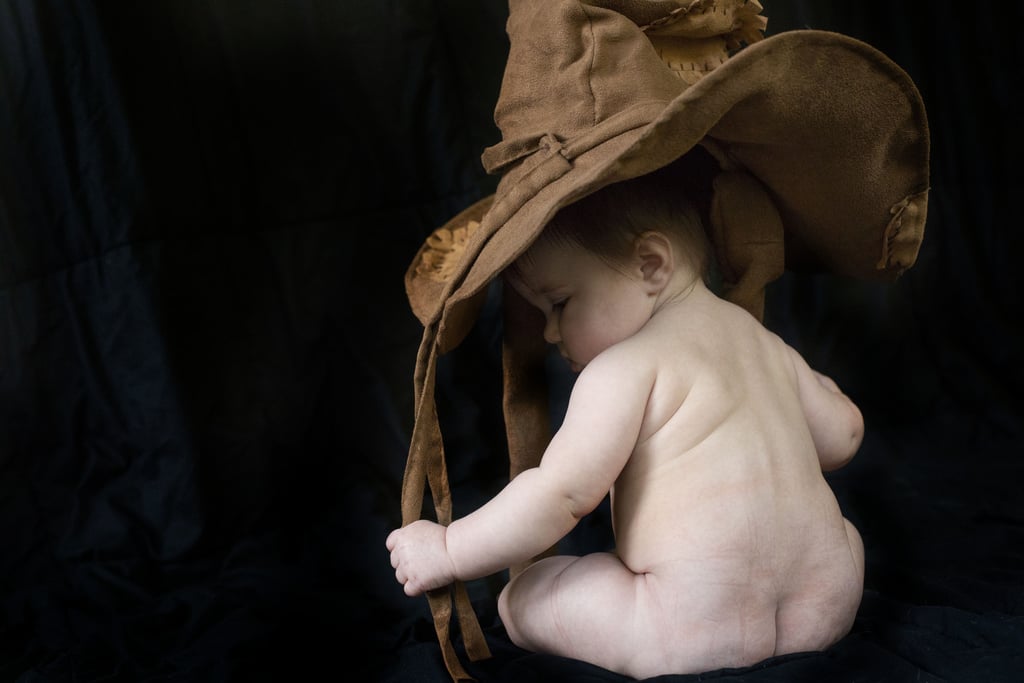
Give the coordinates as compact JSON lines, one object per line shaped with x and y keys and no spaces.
{"x":839,"y":458}
{"x":836,"y":459}
{"x":856,"y":430}
{"x":847,"y":443}
{"x":579,"y":506}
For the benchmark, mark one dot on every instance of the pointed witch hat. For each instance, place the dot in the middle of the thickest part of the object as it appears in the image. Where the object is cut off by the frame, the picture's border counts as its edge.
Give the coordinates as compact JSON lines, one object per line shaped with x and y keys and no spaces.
{"x":821,"y":143}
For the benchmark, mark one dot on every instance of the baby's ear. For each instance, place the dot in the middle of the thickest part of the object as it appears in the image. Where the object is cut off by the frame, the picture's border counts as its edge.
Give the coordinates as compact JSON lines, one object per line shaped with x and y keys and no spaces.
{"x":655,"y":258}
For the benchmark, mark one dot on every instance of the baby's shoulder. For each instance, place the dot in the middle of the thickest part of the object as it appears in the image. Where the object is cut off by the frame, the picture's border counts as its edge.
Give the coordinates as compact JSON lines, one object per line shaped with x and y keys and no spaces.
{"x":618,"y":371}
{"x":632,"y":356}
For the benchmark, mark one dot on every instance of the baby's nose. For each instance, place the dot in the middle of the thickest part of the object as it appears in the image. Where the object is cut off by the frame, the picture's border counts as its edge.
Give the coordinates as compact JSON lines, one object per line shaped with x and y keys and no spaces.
{"x":551,"y":335}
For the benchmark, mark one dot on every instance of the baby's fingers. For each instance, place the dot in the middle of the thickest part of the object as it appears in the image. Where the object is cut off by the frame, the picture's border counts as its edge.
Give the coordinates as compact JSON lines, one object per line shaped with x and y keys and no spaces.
{"x":401,"y":571}
{"x":410,"y":585}
{"x":391,"y":541}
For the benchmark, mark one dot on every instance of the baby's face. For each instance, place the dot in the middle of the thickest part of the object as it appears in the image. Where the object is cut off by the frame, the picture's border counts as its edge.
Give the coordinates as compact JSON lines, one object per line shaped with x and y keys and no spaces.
{"x":587,"y":304}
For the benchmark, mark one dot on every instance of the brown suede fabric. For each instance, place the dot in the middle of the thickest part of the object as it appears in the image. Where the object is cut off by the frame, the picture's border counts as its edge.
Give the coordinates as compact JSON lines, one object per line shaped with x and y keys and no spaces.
{"x":822,"y":143}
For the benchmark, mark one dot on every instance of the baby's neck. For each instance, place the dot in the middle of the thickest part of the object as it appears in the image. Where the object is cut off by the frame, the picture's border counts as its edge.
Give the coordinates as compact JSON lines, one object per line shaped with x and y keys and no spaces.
{"x":685,"y":288}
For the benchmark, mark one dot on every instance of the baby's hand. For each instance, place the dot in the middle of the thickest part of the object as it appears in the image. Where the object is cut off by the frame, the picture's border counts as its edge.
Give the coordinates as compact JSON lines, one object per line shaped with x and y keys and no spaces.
{"x":420,"y":557}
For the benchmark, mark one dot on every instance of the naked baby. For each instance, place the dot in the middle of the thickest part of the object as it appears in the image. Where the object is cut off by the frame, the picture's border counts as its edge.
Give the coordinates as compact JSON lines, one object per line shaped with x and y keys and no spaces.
{"x":650,"y":276}
{"x":709,"y":432}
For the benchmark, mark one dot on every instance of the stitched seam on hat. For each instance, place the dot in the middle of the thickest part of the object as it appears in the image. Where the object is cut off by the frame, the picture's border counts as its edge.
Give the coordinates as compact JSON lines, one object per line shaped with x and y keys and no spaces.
{"x":590,"y":68}
{"x":908,"y":209}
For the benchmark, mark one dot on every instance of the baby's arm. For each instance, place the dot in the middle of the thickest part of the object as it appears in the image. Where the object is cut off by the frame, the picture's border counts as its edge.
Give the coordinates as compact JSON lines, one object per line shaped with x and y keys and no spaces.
{"x":541,"y":504}
{"x":836,"y":423}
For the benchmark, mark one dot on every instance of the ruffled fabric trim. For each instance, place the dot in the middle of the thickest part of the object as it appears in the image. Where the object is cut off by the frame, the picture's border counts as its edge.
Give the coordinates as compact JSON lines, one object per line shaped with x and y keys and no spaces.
{"x":443,"y":250}
{"x":697,"y":37}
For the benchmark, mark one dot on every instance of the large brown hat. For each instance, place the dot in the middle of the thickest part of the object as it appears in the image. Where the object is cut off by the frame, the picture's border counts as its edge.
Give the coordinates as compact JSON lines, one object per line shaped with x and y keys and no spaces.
{"x":822,"y":148}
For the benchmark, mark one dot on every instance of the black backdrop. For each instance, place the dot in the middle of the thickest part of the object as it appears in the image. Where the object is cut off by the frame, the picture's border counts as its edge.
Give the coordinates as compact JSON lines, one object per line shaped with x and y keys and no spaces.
{"x":206,"y":210}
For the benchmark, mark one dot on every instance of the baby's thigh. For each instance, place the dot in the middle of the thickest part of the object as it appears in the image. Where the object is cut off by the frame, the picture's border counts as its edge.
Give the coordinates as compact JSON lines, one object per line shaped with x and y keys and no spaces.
{"x":856,"y":546}
{"x":580,"y":607}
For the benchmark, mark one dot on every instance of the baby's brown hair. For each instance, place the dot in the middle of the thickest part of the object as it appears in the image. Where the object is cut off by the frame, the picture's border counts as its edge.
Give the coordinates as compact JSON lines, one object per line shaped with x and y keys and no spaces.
{"x":673,"y":200}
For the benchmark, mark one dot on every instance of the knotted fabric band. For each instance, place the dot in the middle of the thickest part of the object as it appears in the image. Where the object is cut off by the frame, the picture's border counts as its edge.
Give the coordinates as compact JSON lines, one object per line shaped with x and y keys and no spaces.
{"x":426,"y":463}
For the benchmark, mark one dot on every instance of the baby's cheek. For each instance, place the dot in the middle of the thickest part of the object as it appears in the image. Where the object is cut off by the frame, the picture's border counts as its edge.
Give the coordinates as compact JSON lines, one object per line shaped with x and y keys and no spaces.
{"x":603,"y":333}
{"x":575,"y":328}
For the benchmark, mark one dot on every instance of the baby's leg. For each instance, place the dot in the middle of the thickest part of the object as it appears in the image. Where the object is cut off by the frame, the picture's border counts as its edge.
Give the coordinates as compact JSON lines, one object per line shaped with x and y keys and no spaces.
{"x":579,"y":607}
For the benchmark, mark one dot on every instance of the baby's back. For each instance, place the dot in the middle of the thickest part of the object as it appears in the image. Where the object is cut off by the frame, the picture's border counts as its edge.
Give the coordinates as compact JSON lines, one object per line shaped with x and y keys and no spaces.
{"x":723,"y":506}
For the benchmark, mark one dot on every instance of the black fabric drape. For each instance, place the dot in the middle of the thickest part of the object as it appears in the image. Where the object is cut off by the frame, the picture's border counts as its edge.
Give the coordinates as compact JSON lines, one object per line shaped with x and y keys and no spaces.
{"x":206,"y":211}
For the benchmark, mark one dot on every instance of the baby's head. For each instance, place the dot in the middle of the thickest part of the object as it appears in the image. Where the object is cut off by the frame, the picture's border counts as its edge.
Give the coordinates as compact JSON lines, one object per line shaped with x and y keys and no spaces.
{"x":672,"y":200}
{"x":604,"y":265}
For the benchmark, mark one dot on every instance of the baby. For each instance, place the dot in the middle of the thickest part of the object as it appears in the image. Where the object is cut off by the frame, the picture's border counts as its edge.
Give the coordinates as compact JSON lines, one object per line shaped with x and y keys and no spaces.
{"x":709,"y":432}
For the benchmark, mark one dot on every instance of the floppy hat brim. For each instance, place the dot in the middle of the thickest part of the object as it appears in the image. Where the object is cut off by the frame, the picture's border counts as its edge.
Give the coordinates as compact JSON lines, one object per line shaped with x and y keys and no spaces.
{"x":847,"y":168}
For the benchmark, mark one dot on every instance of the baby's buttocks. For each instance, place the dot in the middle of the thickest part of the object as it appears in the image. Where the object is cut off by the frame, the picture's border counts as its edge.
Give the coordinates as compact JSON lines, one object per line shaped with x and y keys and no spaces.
{"x":694,"y":623}
{"x":822,"y":602}
{"x":715,"y":612}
